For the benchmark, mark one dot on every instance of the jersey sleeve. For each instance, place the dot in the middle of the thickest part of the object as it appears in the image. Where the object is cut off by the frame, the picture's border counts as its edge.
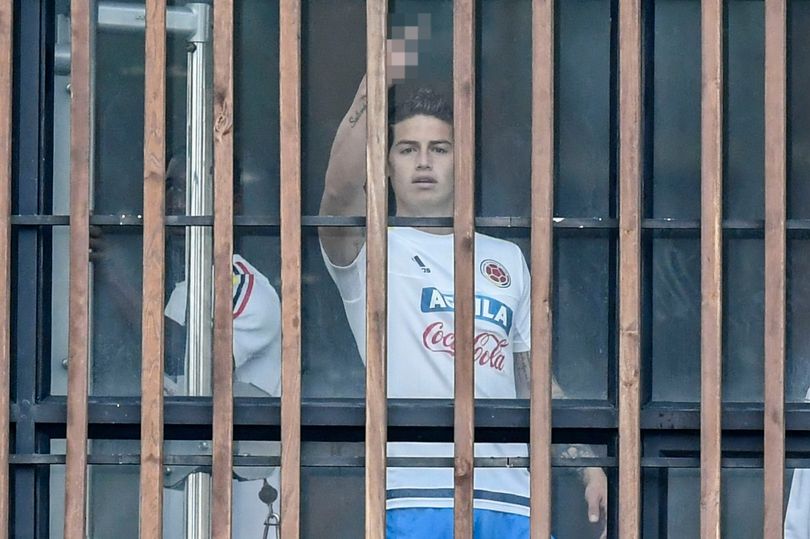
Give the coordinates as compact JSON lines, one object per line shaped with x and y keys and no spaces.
{"x":351,"y":284}
{"x":256,"y":314}
{"x":350,"y":280}
{"x":522,"y":336}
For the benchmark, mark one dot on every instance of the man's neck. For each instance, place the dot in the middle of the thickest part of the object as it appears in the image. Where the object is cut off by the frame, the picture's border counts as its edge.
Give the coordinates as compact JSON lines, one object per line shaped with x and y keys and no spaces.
{"x":437,"y":230}
{"x":439,"y":213}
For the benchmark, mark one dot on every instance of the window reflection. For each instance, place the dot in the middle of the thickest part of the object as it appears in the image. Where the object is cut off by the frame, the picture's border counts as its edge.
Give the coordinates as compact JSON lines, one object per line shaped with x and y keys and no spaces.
{"x":672,"y":503}
{"x":113,"y":490}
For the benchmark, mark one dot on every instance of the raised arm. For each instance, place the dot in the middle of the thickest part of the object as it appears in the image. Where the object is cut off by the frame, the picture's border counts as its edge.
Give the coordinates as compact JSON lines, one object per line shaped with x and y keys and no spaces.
{"x":344,"y":190}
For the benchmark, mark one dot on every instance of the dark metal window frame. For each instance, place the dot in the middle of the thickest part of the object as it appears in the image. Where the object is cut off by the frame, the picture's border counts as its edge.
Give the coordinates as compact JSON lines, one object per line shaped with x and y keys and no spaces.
{"x":669,"y":430}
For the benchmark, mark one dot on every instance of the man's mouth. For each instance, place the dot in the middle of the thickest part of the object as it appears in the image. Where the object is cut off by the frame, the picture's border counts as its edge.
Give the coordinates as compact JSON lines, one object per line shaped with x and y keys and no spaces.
{"x":424,"y":180}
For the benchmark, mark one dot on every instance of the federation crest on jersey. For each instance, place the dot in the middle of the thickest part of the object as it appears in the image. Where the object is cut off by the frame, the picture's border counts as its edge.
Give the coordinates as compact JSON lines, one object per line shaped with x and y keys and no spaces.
{"x":496,"y":273}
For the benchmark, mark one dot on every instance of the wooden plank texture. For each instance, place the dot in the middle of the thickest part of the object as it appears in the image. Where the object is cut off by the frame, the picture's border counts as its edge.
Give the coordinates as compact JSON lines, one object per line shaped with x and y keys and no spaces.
{"x":463,"y":261}
{"x":711,"y":239}
{"x":376,"y":267}
{"x":221,"y":491}
{"x":542,"y":263}
{"x":6,"y":64}
{"x":775,"y":261}
{"x":290,"y":140}
{"x":154,"y":195}
{"x":78,"y":303}
{"x":630,"y":109}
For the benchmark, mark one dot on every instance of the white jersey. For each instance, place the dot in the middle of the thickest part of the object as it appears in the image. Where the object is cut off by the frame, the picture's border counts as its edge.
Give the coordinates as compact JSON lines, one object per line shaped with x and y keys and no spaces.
{"x":257,"y":362}
{"x":421,"y":351}
{"x":256,"y":326}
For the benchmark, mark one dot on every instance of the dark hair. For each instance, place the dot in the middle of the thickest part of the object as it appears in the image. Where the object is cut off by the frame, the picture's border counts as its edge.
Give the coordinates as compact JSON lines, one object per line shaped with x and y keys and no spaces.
{"x":423,"y":100}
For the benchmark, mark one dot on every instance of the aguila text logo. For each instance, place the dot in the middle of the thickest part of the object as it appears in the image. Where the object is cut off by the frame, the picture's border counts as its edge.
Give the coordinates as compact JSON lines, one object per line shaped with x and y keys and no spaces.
{"x":486,"y":308}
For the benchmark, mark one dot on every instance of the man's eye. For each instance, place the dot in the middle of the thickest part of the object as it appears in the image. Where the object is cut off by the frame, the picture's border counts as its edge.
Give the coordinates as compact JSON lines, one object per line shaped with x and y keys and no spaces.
{"x":439,"y":149}
{"x":407,"y":150}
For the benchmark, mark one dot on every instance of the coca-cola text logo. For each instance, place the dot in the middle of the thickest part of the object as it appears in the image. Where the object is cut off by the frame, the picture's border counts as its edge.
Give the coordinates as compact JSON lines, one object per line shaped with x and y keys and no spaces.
{"x":488,"y":348}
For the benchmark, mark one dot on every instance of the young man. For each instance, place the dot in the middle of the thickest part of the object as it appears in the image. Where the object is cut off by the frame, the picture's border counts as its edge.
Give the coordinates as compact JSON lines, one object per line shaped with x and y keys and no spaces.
{"x":420,"y":316}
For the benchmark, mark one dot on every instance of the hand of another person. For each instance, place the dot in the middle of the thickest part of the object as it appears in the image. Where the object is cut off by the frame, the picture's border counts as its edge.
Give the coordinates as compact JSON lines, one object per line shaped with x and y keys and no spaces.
{"x":97,"y":253}
{"x":596,"y":495}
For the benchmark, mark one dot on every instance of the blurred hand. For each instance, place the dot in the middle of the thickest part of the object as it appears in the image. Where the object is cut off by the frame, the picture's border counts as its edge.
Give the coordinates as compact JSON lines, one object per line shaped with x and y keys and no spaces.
{"x":402,"y":53}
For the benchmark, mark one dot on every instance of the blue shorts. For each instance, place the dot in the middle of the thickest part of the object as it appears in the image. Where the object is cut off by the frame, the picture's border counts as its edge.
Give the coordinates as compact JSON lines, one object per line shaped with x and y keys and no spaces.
{"x":437,"y":523}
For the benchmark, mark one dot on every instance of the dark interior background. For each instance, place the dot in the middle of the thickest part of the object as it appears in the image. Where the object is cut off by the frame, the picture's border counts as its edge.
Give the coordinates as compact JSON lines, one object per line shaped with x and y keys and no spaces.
{"x":585,"y":281}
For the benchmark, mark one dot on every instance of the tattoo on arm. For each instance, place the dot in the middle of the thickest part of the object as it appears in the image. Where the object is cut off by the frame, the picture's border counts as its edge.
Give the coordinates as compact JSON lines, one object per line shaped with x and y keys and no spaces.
{"x":523,"y":386}
{"x":523,"y":377}
{"x":523,"y":374}
{"x":356,"y":115}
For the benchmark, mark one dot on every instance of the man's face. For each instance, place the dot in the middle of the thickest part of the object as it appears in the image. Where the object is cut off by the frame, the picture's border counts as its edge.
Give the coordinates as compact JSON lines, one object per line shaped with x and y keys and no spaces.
{"x":420,"y":165}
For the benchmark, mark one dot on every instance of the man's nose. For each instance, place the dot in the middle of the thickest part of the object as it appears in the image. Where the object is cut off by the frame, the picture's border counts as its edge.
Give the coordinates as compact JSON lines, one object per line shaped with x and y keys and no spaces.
{"x":423,"y":161}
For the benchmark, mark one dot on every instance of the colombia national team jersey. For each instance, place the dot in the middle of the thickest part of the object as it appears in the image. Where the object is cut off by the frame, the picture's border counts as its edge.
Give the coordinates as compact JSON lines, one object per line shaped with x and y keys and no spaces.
{"x":421,"y":351}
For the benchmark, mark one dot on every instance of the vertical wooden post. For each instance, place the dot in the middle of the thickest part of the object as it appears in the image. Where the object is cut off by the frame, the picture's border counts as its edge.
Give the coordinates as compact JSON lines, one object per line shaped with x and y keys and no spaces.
{"x":775,"y":261}
{"x":6,"y":64}
{"x":542,"y":263}
{"x":221,"y":489}
{"x":630,"y":179}
{"x":376,"y":267}
{"x":152,"y":345}
{"x":290,"y":141}
{"x":79,"y":310}
{"x":464,"y":257}
{"x":711,"y":238}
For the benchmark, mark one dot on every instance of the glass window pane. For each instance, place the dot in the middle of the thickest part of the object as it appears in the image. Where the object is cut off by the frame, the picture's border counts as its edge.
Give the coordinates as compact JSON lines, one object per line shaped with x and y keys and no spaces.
{"x":798,"y":111}
{"x":676,"y":110}
{"x":332,"y":496}
{"x":504,"y":105}
{"x":256,"y":117}
{"x":744,"y":319}
{"x":674,"y":324}
{"x":584,"y":185}
{"x":584,"y":311}
{"x":672,"y":502}
{"x":744,"y":186}
{"x":797,"y":365}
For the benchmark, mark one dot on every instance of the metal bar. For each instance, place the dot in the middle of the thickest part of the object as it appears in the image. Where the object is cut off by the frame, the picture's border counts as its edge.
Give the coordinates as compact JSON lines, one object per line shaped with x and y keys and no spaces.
{"x":269,"y":221}
{"x":630,"y":178}
{"x":6,"y":63}
{"x":542,"y":263}
{"x":199,"y":202}
{"x":80,"y":163}
{"x":221,"y":492}
{"x":30,"y":171}
{"x":775,"y":262}
{"x":154,"y":189}
{"x":711,"y":239}
{"x":199,"y":270}
{"x":376,"y":267}
{"x":501,"y":417}
{"x":463,"y":261}
{"x":357,"y":460}
{"x":290,"y":141}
